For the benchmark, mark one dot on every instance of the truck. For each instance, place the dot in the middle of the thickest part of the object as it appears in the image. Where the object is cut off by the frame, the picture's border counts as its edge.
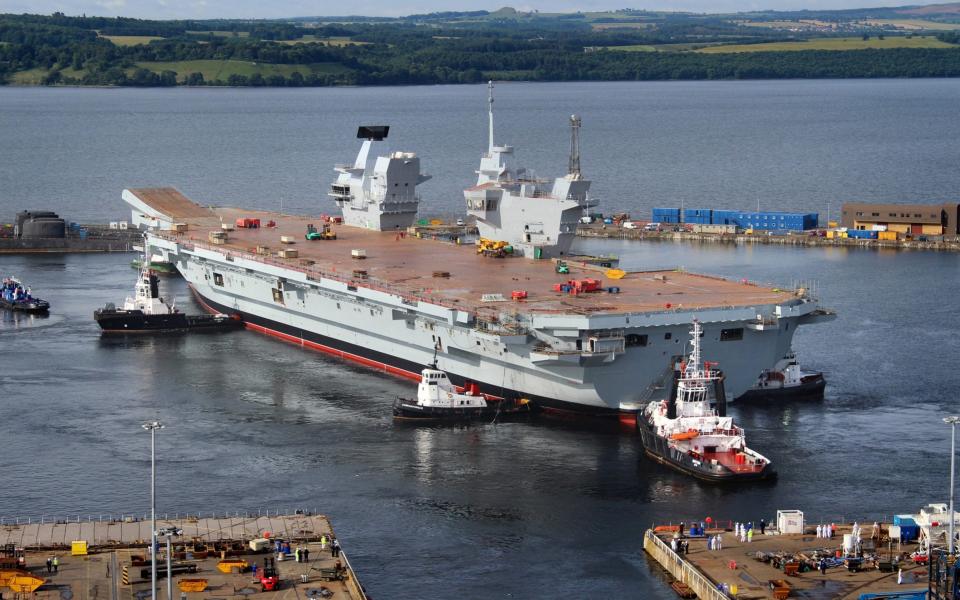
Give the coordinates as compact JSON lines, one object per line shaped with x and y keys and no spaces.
{"x":325,"y":233}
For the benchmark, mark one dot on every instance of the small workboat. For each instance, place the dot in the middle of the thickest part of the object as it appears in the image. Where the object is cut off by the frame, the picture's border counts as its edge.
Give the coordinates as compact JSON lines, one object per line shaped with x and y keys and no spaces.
{"x":786,"y":381}
{"x":439,"y":400}
{"x":15,"y":296}
{"x":155,"y":264}
{"x":691,"y":432}
{"x":146,"y":312}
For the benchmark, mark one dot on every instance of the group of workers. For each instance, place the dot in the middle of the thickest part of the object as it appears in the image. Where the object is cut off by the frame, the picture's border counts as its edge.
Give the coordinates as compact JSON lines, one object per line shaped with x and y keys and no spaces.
{"x":302,"y":555}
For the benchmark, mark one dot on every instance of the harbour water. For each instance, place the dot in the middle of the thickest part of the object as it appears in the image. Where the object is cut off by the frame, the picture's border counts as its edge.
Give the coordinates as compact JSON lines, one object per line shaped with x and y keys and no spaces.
{"x":508,"y":510}
{"x":789,"y":145}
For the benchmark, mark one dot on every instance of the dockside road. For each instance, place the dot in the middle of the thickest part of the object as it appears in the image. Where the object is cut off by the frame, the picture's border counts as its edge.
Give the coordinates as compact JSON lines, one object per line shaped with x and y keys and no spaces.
{"x":795,"y":239}
{"x":212,"y":557}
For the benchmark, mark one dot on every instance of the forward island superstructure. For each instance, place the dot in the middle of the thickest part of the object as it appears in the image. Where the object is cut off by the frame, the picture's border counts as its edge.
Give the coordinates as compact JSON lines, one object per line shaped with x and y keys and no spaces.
{"x":595,"y":352}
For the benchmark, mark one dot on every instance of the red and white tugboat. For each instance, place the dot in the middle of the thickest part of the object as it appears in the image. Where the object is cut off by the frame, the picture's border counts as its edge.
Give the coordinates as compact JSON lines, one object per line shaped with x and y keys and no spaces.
{"x":786,"y":381}
{"x":438,"y":400}
{"x":691,"y":432}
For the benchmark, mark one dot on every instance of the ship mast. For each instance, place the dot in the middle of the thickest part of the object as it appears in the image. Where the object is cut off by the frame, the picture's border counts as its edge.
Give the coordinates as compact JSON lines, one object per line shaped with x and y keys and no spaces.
{"x":574,"y":166}
{"x":490,"y":114}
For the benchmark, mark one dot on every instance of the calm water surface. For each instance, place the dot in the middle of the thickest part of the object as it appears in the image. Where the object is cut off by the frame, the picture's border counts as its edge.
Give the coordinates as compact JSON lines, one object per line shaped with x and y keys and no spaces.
{"x":791,"y":145}
{"x":511,"y":510}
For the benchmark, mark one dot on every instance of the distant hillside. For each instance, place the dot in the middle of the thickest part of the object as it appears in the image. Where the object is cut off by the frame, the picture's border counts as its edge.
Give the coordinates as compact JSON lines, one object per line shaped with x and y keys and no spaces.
{"x":467,"y":47}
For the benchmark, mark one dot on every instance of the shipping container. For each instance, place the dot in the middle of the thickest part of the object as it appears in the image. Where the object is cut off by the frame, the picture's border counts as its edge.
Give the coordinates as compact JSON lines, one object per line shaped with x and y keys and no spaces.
{"x":887,"y":235}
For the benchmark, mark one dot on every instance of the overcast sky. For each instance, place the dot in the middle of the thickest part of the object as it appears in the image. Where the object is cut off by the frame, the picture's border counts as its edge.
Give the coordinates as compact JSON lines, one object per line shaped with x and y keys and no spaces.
{"x":269,"y":9}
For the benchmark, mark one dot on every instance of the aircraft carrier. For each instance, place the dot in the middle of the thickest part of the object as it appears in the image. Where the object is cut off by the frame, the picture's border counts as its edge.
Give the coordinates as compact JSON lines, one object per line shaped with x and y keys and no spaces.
{"x":382,"y":297}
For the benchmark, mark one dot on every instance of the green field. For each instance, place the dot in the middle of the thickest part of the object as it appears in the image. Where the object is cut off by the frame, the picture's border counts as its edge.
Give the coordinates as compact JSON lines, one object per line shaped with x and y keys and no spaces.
{"x":847,"y":43}
{"x":634,"y":48}
{"x":131,"y":40}
{"x":915,"y":24}
{"x":36,"y":76}
{"x":223,"y":69}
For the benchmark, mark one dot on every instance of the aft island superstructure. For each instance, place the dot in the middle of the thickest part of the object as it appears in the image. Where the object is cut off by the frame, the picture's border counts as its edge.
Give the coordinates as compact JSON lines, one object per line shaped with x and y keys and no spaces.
{"x":388,"y":300}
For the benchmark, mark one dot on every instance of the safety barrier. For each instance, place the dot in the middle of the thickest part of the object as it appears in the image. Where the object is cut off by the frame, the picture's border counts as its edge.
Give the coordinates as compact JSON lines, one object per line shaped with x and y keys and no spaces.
{"x":681,"y":569}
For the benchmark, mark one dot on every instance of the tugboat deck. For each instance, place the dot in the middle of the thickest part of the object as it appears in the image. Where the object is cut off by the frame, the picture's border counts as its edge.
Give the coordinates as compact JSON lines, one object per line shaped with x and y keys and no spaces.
{"x":407,"y":265}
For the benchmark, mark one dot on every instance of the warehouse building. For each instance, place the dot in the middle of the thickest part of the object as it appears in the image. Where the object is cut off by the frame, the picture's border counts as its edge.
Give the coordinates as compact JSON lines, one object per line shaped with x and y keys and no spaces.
{"x":913,"y":219}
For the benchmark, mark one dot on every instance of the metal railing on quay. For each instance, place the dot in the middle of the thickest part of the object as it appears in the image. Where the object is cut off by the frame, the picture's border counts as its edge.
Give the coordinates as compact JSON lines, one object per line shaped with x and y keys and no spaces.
{"x":61,"y":519}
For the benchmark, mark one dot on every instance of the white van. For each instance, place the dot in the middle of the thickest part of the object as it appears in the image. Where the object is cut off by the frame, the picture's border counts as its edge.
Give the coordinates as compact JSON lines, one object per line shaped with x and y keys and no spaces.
{"x":629,"y":225}
{"x":651,"y":227}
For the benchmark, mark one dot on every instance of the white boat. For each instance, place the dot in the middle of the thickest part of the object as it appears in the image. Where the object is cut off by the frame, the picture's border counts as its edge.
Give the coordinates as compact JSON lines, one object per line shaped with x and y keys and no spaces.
{"x":439,"y":400}
{"x":786,"y":381}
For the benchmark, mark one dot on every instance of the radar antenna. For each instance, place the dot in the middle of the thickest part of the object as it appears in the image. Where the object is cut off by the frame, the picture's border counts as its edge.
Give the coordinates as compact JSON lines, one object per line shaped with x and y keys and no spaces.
{"x":574,"y":167}
{"x":490,"y":113}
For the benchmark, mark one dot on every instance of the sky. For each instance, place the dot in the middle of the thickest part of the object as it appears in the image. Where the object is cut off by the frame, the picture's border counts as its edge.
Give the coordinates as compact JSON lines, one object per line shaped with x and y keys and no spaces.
{"x":271,"y":9}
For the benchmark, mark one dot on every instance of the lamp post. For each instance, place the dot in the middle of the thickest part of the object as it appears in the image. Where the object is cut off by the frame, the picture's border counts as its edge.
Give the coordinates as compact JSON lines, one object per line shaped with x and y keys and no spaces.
{"x":952,"y":422}
{"x":169,"y":532}
{"x":152,"y":427}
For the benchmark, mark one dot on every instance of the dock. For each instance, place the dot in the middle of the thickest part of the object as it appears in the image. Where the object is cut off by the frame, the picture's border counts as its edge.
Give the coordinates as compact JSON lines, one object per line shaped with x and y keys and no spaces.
{"x":803,"y":239}
{"x":108,"y":559}
{"x":85,"y":238}
{"x":755,"y":570}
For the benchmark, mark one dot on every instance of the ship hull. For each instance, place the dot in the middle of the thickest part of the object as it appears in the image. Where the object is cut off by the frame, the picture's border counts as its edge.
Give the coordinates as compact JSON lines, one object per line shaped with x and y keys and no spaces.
{"x":393,"y":365}
{"x":135,"y":321}
{"x":34,"y":307}
{"x":599,"y":389}
{"x":659,"y":449}
{"x":811,"y":388}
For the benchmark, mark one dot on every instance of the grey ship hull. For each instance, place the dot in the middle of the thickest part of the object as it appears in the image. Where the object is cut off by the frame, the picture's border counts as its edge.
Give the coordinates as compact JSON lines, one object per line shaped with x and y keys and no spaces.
{"x":368,"y":328}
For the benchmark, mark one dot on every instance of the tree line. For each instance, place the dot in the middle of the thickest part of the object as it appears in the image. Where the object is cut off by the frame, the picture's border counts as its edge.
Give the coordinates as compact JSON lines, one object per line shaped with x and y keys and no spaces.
{"x":70,"y":51}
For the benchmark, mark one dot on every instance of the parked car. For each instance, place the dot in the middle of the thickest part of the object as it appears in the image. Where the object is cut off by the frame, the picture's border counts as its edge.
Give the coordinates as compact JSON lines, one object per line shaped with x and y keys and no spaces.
{"x":651,"y":227}
{"x":460,"y":223}
{"x":586,"y":220}
{"x":629,"y":225}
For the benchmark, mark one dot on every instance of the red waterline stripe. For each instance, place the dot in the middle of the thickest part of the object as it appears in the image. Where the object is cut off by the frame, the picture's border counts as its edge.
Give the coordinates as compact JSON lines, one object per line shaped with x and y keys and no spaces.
{"x":322,"y":348}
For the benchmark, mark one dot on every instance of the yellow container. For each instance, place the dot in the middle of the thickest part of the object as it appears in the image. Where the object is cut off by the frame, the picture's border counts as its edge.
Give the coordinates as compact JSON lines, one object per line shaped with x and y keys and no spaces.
{"x":932,"y":230}
{"x":841,"y":234}
{"x":831,"y":234}
{"x":192,"y":585}
{"x":78,"y":548}
{"x":227,"y":566}
{"x":887,"y":235}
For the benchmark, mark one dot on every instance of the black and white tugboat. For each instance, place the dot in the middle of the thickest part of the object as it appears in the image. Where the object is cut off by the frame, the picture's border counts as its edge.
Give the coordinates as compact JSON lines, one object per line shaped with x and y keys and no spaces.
{"x":691,"y":432}
{"x":786,"y":381}
{"x":146,"y":312}
{"x":15,"y":296}
{"x":438,"y":400}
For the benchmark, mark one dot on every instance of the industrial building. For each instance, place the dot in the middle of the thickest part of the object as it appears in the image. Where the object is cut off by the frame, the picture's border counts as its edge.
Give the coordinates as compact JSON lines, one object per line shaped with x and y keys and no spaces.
{"x":770,"y":221}
{"x":913,"y":219}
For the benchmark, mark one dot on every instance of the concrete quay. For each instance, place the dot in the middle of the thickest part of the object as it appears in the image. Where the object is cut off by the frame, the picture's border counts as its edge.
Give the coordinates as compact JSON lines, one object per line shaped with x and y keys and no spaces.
{"x":738,"y":567}
{"x":212,"y":559}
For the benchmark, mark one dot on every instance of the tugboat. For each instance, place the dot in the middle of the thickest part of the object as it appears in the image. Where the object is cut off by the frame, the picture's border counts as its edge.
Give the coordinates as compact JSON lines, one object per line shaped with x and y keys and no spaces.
{"x":14,"y":296}
{"x":693,"y":435}
{"x":438,"y":400}
{"x":146,"y":312}
{"x":786,"y":381}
